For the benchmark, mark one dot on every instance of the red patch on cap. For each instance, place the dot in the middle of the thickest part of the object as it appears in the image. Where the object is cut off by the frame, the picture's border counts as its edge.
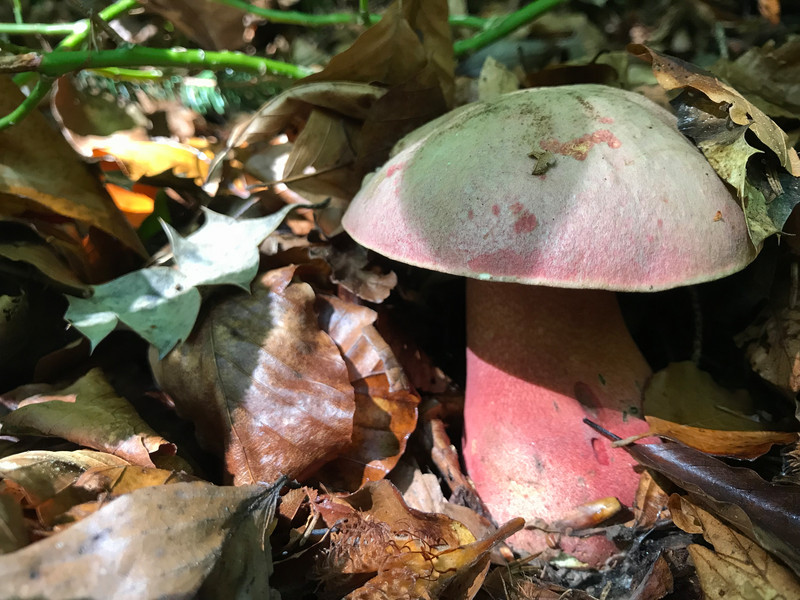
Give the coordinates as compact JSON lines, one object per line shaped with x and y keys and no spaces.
{"x":578,"y":148}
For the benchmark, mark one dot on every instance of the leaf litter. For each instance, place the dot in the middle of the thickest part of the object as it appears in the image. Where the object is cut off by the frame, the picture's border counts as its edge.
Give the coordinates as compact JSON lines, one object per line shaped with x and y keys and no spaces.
{"x":288,"y":374}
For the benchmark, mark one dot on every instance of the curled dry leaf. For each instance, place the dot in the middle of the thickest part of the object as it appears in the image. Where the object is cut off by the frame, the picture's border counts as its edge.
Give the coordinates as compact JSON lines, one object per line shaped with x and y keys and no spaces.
{"x":768,"y":75}
{"x":737,"y":568}
{"x":212,"y":25}
{"x":773,"y":348}
{"x":404,"y":552}
{"x":64,"y":188}
{"x":673,"y":73}
{"x":90,"y":413}
{"x":351,"y":271}
{"x":263,"y":384}
{"x":210,"y":542}
{"x":42,"y":474}
{"x":386,"y":405}
{"x":766,"y":512}
{"x":735,"y":444}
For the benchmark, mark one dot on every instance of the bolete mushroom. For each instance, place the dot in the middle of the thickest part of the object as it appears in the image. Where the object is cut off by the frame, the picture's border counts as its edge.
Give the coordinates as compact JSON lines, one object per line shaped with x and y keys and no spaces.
{"x":546,"y":199}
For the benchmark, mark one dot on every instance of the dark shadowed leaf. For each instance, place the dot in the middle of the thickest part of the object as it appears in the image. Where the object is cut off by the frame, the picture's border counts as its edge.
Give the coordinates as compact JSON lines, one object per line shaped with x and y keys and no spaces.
{"x":90,"y":413}
{"x":767,"y":513}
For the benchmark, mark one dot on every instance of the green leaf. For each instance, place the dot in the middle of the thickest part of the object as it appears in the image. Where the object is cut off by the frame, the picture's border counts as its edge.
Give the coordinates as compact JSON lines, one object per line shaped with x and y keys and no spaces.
{"x":161,"y":304}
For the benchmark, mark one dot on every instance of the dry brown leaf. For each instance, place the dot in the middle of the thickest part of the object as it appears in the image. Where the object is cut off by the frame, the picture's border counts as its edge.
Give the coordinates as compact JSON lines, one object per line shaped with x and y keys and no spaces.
{"x":656,"y":584}
{"x":773,"y":348}
{"x":90,"y":413}
{"x":770,"y":10}
{"x":406,"y":553}
{"x":263,"y":384}
{"x":13,"y":534}
{"x":350,"y":270}
{"x":411,"y":35}
{"x":65,"y":187}
{"x":738,"y":444}
{"x":46,"y":260}
{"x":737,"y":568}
{"x":386,"y":405}
{"x":92,"y":489}
{"x":650,"y":502}
{"x":673,"y":73}
{"x":213,"y":25}
{"x":684,"y":394}
{"x":185,"y":540}
{"x":42,"y":474}
{"x":769,"y":77}
{"x":146,"y":158}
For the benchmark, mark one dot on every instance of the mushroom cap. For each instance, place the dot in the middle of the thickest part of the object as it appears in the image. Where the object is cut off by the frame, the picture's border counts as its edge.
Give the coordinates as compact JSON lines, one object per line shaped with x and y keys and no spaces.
{"x":626,"y":204}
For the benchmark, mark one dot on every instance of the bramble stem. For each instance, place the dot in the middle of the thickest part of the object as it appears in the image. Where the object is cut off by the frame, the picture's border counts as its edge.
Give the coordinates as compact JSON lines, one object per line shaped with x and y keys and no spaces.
{"x":55,"y":64}
{"x":503,"y":27}
{"x":29,"y":104}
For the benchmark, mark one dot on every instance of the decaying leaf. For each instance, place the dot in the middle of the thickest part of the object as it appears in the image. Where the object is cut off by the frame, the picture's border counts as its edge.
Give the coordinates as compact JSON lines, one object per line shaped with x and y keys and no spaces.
{"x":736,"y":444}
{"x":218,"y":548}
{"x":13,"y":534}
{"x":263,"y":384}
{"x":65,"y":187}
{"x":684,"y":394}
{"x":90,"y":413}
{"x":765,"y":512}
{"x":402,"y":552}
{"x":41,"y":475}
{"x":212,"y":25}
{"x":673,"y":73}
{"x":717,"y":117}
{"x":768,"y":75}
{"x":386,"y":405}
{"x":773,"y":347}
{"x":737,"y":568}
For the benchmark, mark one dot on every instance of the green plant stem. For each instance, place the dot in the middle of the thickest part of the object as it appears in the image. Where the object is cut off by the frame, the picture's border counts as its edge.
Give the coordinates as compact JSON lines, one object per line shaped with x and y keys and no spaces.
{"x":109,"y":13}
{"x":29,"y":104}
{"x":503,"y":27}
{"x":59,"y":29}
{"x":55,"y":64}
{"x":289,"y":17}
{"x":16,"y":7}
{"x":363,"y":11}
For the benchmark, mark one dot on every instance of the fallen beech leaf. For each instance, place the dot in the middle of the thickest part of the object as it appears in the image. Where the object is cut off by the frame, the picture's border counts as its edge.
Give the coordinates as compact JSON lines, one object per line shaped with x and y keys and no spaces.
{"x":90,"y":413}
{"x":351,"y":272}
{"x":736,"y":444}
{"x":773,"y":347}
{"x":766,"y":512}
{"x":673,"y":73}
{"x":146,"y":158}
{"x":650,"y":503}
{"x":212,"y":25}
{"x":13,"y":534}
{"x":411,"y":35}
{"x":42,"y":474}
{"x":684,"y":394}
{"x":737,"y":568}
{"x":176,"y":541}
{"x":768,"y":76}
{"x":405,"y":553}
{"x":96,"y":485}
{"x":386,"y":405}
{"x":264,"y":386}
{"x":45,"y":258}
{"x":65,"y":187}
{"x":656,"y":584}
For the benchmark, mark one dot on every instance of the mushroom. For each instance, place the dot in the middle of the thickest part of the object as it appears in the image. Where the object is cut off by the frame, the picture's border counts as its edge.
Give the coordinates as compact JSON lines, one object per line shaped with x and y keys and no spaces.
{"x":548,"y":200}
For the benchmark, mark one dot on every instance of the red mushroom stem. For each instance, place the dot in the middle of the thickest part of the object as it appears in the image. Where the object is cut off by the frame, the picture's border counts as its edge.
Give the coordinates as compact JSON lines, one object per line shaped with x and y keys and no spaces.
{"x":539,"y":361}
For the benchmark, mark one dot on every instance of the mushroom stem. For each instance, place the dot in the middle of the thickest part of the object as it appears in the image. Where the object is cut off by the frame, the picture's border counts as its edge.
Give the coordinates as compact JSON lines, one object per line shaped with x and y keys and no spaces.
{"x":539,"y":361}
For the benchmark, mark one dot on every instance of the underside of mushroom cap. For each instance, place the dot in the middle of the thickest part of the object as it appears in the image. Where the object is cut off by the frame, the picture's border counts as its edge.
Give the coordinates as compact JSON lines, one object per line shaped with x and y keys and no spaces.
{"x":626,"y":203}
